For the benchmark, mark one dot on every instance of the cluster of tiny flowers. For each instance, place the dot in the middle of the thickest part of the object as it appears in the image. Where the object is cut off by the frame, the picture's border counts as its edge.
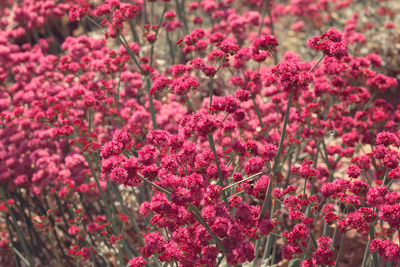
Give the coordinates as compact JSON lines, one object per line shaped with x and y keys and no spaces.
{"x":182,"y":134}
{"x":330,"y":43}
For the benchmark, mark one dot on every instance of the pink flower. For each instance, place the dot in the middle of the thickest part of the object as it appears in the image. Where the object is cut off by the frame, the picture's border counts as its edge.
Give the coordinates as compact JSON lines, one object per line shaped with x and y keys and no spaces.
{"x":267,"y":42}
{"x":253,"y":165}
{"x":353,"y":171}
{"x":137,"y":262}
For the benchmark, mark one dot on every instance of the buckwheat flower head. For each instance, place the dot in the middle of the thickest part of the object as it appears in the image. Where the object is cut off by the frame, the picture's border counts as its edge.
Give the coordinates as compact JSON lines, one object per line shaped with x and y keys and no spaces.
{"x":265,"y":226}
{"x":154,"y":243}
{"x":137,"y":262}
{"x":386,"y":139}
{"x":253,"y":165}
{"x":112,"y":148}
{"x":158,"y":138}
{"x":390,"y":214}
{"x":267,"y":42}
{"x":391,"y":159}
{"x":353,"y":171}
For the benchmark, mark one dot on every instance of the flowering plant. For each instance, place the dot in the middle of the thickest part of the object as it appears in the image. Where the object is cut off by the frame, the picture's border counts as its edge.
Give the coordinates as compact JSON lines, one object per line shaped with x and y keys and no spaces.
{"x":153,"y":133}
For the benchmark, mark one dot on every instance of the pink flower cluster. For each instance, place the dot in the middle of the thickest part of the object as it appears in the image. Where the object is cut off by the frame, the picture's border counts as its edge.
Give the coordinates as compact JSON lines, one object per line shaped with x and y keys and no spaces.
{"x":185,"y":135}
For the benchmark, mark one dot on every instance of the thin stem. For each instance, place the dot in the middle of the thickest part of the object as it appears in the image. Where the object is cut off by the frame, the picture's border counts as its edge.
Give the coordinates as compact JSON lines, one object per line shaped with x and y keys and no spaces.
{"x":369,"y":101}
{"x":198,"y":216}
{"x":124,"y":42}
{"x":212,"y":80}
{"x":366,"y":252}
{"x":157,"y":32}
{"x":257,"y":251}
{"x":134,"y":32}
{"x":340,"y":250}
{"x":171,"y":49}
{"x":263,"y":13}
{"x":220,"y":259}
{"x":105,"y":201}
{"x":135,"y":226}
{"x":17,"y":228}
{"x":372,"y":237}
{"x":267,"y":246}
{"x":305,"y":186}
{"x":316,"y":64}
{"x":278,"y":154}
{"x":241,"y":181}
{"x":275,"y":234}
{"x":20,"y":255}
{"x":121,"y":257}
{"x":116,"y":100}
{"x":89,"y":119}
{"x":257,"y":110}
{"x":11,"y":237}
{"x":153,"y":184}
{"x":190,"y":105}
{"x":54,"y":248}
{"x":151,"y":105}
{"x":274,"y":248}
{"x":152,"y":13}
{"x":212,"y":146}
{"x":152,"y":112}
{"x":398,"y":232}
{"x":385,"y":177}
{"x":211,"y":90}
{"x":181,"y":16}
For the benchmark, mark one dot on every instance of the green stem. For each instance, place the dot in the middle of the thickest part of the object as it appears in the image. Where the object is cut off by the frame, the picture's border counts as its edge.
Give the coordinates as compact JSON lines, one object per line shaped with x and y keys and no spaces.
{"x":369,"y":101}
{"x":190,"y":105}
{"x":157,"y":32}
{"x":212,"y":146}
{"x":152,"y":112}
{"x":211,"y":90}
{"x":55,"y":249}
{"x":121,"y":258}
{"x":241,"y":181}
{"x":181,"y":16}
{"x":199,"y":218}
{"x":20,"y":256}
{"x":283,"y":133}
{"x":212,"y":80}
{"x":153,"y":184}
{"x":372,"y":237}
{"x":274,"y":248}
{"x":398,"y":232}
{"x":316,"y":64}
{"x":257,"y":110}
{"x":366,"y":253}
{"x":105,"y":201}
{"x":171,"y":49}
{"x":116,"y":100}
{"x":278,"y":154}
{"x":267,"y":246}
{"x":385,"y":177}
{"x":257,"y":251}
{"x":19,"y":232}
{"x":134,"y":32}
{"x":124,"y":42}
{"x":89,"y":119}
{"x":263,"y":13}
{"x":135,"y":226}
{"x":11,"y":237}
{"x":340,"y":250}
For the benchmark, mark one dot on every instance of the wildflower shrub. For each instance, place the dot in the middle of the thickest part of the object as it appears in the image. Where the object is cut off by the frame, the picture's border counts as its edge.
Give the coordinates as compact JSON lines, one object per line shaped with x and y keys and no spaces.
{"x":183,"y":133}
